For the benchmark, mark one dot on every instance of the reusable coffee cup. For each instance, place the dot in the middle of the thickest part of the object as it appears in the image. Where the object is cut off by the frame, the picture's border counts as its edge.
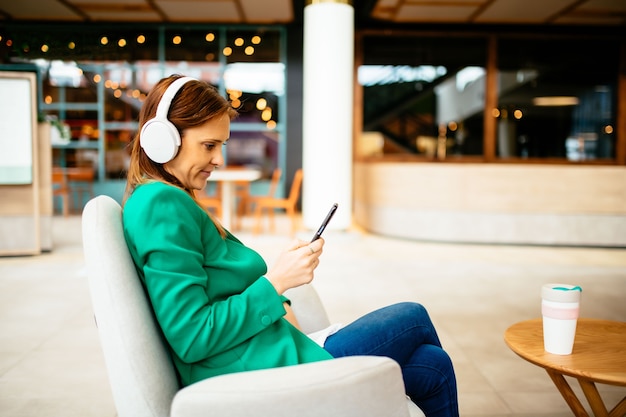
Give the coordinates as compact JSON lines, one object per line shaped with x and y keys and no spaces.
{"x":560,"y":305}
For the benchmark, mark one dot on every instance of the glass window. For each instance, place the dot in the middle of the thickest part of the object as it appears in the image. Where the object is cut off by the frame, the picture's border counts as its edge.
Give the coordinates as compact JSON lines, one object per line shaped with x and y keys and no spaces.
{"x":192,"y":45}
{"x":424,"y":95}
{"x":94,"y":81}
{"x":557,"y":98}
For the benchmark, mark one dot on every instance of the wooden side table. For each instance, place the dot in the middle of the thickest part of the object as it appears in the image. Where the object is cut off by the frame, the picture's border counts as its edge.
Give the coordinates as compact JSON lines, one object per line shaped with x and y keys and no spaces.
{"x":599,"y":356}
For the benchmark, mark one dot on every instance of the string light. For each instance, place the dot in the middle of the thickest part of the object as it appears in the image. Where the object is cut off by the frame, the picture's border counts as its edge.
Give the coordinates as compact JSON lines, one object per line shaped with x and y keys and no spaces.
{"x":249,"y":50}
{"x":176,"y":40}
{"x":210,"y":37}
{"x":256,"y":39}
{"x":104,"y":40}
{"x":141,"y":39}
{"x":121,"y":43}
{"x":239,"y":42}
{"x":227,"y":51}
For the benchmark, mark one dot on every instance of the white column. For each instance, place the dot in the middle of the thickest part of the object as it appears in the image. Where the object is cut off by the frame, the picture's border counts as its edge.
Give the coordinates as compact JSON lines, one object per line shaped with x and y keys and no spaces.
{"x":327,"y":112}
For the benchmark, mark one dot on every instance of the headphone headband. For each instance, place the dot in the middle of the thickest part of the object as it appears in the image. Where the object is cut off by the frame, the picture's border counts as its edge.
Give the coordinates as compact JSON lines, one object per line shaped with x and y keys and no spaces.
{"x":166,"y":100}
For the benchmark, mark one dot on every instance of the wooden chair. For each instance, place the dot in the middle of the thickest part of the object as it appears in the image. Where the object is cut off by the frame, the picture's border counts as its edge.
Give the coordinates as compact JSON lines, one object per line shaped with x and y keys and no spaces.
{"x":80,"y":181}
{"x":288,"y":204}
{"x":61,"y":189}
{"x":211,"y":201}
{"x":247,"y":202}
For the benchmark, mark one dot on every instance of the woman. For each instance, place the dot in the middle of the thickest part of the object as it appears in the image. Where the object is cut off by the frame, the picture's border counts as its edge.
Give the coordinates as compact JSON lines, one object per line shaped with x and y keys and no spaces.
{"x":220,"y":308}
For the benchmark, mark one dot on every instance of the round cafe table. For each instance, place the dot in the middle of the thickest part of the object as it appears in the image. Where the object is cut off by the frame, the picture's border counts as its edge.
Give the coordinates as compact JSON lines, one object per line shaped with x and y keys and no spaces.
{"x":599,"y":356}
{"x":227,"y":177}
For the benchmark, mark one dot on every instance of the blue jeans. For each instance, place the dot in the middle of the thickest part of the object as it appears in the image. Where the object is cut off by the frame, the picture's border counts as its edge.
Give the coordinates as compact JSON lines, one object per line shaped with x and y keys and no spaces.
{"x":404,"y":333}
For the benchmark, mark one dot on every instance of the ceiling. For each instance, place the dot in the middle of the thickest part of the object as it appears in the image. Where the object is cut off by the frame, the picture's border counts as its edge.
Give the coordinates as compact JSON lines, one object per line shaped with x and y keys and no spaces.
{"x":509,"y":12}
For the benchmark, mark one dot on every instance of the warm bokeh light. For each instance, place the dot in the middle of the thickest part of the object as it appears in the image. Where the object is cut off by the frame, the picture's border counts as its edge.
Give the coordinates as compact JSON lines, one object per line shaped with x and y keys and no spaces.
{"x":271,"y":125}
{"x":97,"y":78}
{"x":117,"y":93}
{"x":71,"y":45}
{"x":608,"y":129}
{"x":266,"y":114}
{"x":249,"y":50}
{"x":239,"y":42}
{"x":227,"y":51}
{"x":234,"y":94}
{"x":261,"y":104}
{"x":44,"y":48}
{"x":256,"y":39}
{"x":236,"y":103}
{"x":121,"y":43}
{"x":556,"y":101}
{"x":517,"y":114}
{"x":141,"y":39}
{"x":48,"y":99}
{"x":176,"y":40}
{"x":104,"y":40}
{"x":210,"y":37}
{"x":452,"y":126}
{"x":495,"y":113}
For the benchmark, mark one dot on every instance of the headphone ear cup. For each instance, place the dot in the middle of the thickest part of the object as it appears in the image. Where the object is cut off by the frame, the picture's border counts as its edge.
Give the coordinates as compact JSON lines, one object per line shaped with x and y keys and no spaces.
{"x":160,"y":140}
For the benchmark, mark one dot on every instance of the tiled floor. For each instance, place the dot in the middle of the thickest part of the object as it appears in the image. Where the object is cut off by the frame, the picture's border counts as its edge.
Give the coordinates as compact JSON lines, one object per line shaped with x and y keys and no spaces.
{"x":51,"y":364}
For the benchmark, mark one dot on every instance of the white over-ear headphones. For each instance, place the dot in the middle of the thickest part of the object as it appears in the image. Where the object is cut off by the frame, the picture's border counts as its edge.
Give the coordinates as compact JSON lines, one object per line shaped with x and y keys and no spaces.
{"x":159,"y":138}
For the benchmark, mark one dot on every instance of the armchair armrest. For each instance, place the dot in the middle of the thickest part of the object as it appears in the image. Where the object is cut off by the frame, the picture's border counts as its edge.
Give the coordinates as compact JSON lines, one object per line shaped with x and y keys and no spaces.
{"x":363,"y":386}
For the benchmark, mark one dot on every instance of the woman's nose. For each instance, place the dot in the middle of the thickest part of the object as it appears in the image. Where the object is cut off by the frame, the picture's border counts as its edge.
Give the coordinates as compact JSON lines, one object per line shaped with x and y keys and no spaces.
{"x":218,"y":160}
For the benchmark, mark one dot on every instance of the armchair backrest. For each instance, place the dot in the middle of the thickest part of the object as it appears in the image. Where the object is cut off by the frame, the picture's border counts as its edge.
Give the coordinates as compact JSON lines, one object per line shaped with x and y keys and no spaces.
{"x":141,"y":373}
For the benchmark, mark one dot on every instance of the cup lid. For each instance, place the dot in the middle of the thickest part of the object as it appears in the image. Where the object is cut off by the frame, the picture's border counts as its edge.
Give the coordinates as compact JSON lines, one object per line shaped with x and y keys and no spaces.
{"x":564,"y":293}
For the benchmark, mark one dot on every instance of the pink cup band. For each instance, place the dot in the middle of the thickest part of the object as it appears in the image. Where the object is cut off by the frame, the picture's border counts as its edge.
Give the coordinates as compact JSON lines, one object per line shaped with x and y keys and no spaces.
{"x":560,"y":313}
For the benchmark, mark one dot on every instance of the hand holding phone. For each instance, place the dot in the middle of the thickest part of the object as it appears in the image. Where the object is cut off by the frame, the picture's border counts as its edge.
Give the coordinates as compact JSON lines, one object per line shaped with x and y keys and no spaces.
{"x":329,"y":216}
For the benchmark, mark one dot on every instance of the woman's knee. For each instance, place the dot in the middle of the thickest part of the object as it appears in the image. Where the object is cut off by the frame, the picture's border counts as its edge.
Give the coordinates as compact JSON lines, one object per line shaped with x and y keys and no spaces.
{"x":412,"y":312}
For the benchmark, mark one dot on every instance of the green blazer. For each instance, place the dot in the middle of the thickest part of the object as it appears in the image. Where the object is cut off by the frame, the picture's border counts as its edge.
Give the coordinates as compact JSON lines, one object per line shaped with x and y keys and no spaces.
{"x":217,"y":311}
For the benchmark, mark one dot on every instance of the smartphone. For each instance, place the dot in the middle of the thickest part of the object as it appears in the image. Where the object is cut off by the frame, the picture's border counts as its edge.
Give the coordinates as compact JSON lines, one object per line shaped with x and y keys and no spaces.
{"x":329,"y":216}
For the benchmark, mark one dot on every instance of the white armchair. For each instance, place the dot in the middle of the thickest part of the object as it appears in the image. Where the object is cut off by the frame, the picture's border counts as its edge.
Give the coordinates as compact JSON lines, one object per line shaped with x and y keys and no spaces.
{"x":142,"y":376}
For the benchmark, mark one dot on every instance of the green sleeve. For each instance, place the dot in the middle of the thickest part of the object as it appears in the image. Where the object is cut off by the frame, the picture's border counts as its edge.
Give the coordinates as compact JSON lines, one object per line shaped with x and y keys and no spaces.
{"x":169,"y":236}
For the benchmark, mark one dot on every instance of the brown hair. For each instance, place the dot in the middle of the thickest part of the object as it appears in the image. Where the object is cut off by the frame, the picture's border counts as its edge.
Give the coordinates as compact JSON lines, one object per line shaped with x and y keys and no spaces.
{"x":194,"y":104}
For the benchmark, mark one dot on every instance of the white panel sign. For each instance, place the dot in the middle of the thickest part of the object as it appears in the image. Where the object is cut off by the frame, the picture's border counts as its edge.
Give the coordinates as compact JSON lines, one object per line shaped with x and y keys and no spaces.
{"x":16,"y":134}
